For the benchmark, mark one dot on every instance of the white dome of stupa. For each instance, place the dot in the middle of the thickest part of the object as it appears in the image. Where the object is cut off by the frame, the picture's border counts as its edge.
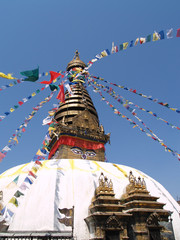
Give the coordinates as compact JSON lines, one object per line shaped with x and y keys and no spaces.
{"x":64,"y":183}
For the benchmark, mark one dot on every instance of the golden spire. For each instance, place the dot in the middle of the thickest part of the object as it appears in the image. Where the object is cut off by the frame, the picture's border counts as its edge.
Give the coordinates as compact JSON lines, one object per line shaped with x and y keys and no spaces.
{"x":76,"y":62}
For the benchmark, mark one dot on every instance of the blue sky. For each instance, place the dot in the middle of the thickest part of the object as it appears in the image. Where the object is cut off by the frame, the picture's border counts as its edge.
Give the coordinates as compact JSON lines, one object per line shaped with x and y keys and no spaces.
{"x":47,"y":33}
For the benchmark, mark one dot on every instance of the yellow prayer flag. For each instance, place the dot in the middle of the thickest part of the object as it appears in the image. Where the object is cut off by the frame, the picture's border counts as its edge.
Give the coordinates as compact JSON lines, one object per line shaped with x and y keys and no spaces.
{"x":33,"y":94}
{"x":46,"y":74}
{"x":15,"y":139}
{"x":14,"y":201}
{"x":10,"y":84}
{"x":125,"y":45}
{"x":8,"y":76}
{"x":55,"y":80}
{"x":12,"y":110}
{"x":155,"y":37}
{"x":173,"y":109}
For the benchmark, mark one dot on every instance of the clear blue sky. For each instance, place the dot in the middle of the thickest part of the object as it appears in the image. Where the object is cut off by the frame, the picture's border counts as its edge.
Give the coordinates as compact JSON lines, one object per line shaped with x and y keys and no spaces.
{"x":47,"y":33}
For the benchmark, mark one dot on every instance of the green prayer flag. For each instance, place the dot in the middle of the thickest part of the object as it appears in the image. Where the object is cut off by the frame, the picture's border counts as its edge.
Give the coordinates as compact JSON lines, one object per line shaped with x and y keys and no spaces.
{"x":53,"y":87}
{"x":18,"y":194}
{"x":148,"y":38}
{"x":32,"y":75}
{"x":120,"y":47}
{"x":37,"y":91}
{"x":16,"y":106}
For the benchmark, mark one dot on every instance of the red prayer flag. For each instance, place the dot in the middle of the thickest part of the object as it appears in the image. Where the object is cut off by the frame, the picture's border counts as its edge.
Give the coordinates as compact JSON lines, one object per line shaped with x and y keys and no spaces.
{"x":37,"y":162}
{"x":54,"y":75}
{"x":2,"y":155}
{"x":61,"y":95}
{"x":23,"y":129}
{"x":20,"y":103}
{"x":178,"y":33}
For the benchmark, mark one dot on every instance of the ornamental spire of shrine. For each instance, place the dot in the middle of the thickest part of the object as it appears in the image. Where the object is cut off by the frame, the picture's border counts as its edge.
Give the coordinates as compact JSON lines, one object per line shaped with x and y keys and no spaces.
{"x":78,"y":133}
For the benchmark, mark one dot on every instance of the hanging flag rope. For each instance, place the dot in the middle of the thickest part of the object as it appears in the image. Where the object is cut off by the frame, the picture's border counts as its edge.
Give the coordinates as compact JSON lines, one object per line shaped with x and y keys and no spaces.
{"x":140,"y":94}
{"x":10,"y":207}
{"x":125,"y":105}
{"x":20,"y":103}
{"x":43,"y":151}
{"x":134,"y":123}
{"x":13,"y":141}
{"x":11,"y":84}
{"x":111,"y":92}
{"x":141,"y":40}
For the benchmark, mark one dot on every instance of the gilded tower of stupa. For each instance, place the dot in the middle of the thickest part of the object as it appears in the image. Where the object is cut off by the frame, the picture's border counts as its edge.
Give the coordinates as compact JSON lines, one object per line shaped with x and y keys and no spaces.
{"x":78,"y":133}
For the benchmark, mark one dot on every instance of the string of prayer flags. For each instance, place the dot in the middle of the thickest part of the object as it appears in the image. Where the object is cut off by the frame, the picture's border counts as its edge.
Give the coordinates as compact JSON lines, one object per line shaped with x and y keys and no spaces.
{"x":7,"y":76}
{"x":11,"y":84}
{"x":20,"y":103}
{"x":122,"y":100}
{"x":32,"y":75}
{"x":9,"y":210}
{"x":140,"y":94}
{"x":123,"y":46}
{"x":126,"y":105}
{"x":174,"y":153}
{"x":13,"y":141}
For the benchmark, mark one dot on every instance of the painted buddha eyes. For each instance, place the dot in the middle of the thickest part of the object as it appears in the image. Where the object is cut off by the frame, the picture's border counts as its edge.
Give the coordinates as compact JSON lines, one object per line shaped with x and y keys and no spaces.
{"x":85,"y":154}
{"x":76,"y":150}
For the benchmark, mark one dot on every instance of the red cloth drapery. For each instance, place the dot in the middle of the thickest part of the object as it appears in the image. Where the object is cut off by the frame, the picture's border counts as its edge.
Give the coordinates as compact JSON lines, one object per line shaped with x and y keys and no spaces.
{"x":77,"y":142}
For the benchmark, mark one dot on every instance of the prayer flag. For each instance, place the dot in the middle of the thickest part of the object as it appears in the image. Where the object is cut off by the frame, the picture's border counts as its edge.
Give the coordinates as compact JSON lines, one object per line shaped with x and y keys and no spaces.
{"x":47,"y":120}
{"x":6,"y":149}
{"x":120,"y":47}
{"x":20,"y":103}
{"x":18,"y":194}
{"x":131,"y":43}
{"x":142,"y":40}
{"x":2,"y":155}
{"x":148,"y":38}
{"x":178,"y":33}
{"x":125,"y":45}
{"x":113,"y":48}
{"x":28,"y":180}
{"x":6,"y":113}
{"x":61,"y":95}
{"x":12,"y":110}
{"x":14,"y":201}
{"x":155,"y":36}
{"x":32,"y":174}
{"x":53,"y":87}
{"x":23,"y":186}
{"x":54,"y":75}
{"x":136,"y":42}
{"x":69,"y":88}
{"x":161,"y":35}
{"x":32,"y":75}
{"x":169,"y":33}
{"x":15,"y":139}
{"x":8,"y":76}
{"x":38,"y":163}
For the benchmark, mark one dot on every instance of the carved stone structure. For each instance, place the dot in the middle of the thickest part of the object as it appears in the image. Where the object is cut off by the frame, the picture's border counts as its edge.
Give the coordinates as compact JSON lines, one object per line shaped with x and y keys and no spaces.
{"x":137,"y":215}
{"x":106,"y":218}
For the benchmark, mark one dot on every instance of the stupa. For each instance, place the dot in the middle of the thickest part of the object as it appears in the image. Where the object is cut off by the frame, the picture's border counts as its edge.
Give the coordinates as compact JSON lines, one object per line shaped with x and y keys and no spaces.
{"x":75,"y":194}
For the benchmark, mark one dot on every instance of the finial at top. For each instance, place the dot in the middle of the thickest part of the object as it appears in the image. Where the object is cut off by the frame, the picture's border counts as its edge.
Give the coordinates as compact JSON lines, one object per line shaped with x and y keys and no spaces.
{"x":76,"y":62}
{"x":76,"y":56}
